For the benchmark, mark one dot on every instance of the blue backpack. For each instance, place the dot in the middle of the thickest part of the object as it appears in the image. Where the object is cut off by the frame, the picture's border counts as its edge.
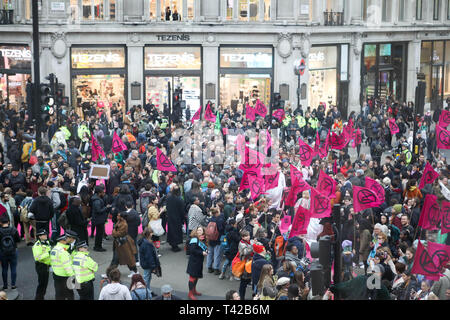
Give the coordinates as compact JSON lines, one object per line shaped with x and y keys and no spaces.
{"x":224,"y":243}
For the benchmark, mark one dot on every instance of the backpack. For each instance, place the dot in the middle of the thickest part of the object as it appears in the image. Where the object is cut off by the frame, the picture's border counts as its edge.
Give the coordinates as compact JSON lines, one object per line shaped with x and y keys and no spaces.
{"x":225,"y":243}
{"x":144,"y":200}
{"x":280,"y":246}
{"x":7,"y":243}
{"x":63,"y":203}
{"x":24,"y":212}
{"x":212,"y":233}
{"x":63,"y":221}
{"x":145,"y":220}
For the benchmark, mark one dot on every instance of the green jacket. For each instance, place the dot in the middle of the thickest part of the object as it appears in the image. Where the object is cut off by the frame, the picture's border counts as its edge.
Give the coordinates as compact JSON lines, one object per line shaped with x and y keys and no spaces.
{"x":41,"y":252}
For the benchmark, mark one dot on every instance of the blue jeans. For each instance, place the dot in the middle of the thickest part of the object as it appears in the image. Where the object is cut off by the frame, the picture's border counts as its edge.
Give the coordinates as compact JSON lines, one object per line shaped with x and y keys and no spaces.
{"x":148,"y":278}
{"x":55,"y":226}
{"x":214,"y":257}
{"x":226,"y":264}
{"x":10,"y":261}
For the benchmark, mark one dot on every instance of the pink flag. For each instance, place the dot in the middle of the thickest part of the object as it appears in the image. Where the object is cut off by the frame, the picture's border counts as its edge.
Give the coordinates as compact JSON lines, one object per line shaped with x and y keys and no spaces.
{"x":348,"y":132}
{"x":240,"y":145}
{"x":117,"y":144}
{"x":442,"y":138}
{"x":297,"y":179}
{"x":196,"y":115}
{"x":337,"y":142}
{"x":445,"y":221}
{"x":249,"y":112}
{"x":439,"y":253}
{"x":306,"y":153}
{"x":300,"y":223}
{"x":285,"y":223}
{"x":323,"y":150}
{"x":271,"y":181}
{"x":260,"y":108}
{"x":444,"y":119}
{"x":430,"y":214}
{"x":268,"y":142}
{"x":209,"y":115}
{"x":253,"y":156}
{"x":326,"y":185}
{"x":279,"y":114}
{"x":97,"y":150}
{"x":335,"y":167}
{"x":358,"y":137}
{"x":423,"y":263}
{"x":377,"y":188}
{"x":320,"y":205}
{"x":256,"y":185}
{"x":364,"y":198}
{"x":429,"y":175}
{"x":244,"y":182}
{"x":393,"y":126}
{"x":163,"y":163}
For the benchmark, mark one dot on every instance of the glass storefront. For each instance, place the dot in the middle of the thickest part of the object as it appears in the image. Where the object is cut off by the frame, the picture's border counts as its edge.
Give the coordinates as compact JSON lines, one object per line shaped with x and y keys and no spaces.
{"x":98,"y":77}
{"x":323,"y":70}
{"x":245,"y":75}
{"x":175,"y":6}
{"x":15,"y":69}
{"x":178,"y":65}
{"x":435,"y":65}
{"x":383,"y":71}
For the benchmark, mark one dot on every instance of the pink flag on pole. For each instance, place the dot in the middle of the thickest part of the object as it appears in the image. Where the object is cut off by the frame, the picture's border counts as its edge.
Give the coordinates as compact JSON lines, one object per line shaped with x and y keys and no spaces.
{"x":335,"y":167}
{"x":209,"y":115}
{"x":244,"y":182}
{"x":117,"y":144}
{"x":442,"y":138}
{"x":260,"y":108}
{"x":430,"y":214}
{"x":279,"y":114}
{"x":326,"y":185}
{"x":97,"y":150}
{"x":364,"y":198}
{"x":320,"y":205}
{"x":196,"y":115}
{"x":337,"y":142}
{"x":439,"y":253}
{"x":163,"y":163}
{"x":268,"y":142}
{"x":429,"y":175}
{"x":249,"y":112}
{"x":423,"y":263}
{"x":445,"y":221}
{"x":306,"y":153}
{"x":300,"y":223}
{"x":393,"y":126}
{"x":297,"y":179}
{"x":256,"y":185}
{"x":323,"y":150}
{"x":444,"y":119}
{"x":377,"y":188}
{"x":285,"y":223}
{"x":271,"y":181}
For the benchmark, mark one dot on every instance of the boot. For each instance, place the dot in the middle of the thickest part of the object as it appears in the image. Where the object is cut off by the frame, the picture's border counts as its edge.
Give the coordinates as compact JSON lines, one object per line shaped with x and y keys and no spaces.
{"x":191,"y":295}
{"x":196,"y":292}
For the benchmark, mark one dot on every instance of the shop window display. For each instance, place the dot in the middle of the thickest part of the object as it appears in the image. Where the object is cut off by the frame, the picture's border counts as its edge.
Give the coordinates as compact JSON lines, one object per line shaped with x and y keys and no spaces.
{"x":172,"y":10}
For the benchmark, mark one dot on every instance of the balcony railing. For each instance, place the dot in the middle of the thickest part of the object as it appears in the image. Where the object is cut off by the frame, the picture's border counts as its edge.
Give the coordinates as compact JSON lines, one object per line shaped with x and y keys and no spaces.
{"x":333,"y":18}
{"x":6,"y":16}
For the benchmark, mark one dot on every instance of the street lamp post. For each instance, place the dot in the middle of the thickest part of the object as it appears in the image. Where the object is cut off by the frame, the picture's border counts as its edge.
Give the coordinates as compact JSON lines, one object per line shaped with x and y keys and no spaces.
{"x":299,"y":70}
{"x":36,"y":69}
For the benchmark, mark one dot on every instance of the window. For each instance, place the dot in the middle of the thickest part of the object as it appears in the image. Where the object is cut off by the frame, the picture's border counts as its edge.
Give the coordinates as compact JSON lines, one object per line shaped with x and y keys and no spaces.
{"x":229,"y":9}
{"x":172,"y":10}
{"x":285,"y":9}
{"x":401,"y":10}
{"x":436,"y":9}
{"x":386,"y":13}
{"x":419,"y":9}
{"x":365,"y":8}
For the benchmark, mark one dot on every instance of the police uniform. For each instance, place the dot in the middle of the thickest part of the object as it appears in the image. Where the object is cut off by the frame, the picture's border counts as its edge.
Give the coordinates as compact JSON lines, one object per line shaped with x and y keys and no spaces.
{"x":84,"y":268}
{"x":61,"y":262}
{"x":41,"y":255}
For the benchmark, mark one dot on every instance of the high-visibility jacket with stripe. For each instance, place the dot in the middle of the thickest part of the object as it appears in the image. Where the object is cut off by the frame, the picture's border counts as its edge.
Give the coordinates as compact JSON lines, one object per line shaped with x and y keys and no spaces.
{"x":301,"y":121}
{"x":41,"y":252}
{"x":84,"y":267}
{"x":61,"y":261}
{"x":408,"y":155}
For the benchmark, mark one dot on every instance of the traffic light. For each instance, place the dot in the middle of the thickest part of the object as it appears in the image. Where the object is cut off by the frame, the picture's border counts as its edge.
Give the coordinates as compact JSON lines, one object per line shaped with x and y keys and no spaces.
{"x":47,"y":102}
{"x":177,"y":110}
{"x":277,"y":102}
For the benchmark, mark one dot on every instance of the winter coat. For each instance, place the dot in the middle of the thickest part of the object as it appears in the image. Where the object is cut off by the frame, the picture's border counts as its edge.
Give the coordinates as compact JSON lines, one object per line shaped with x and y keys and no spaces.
{"x":141,"y":293}
{"x":440,"y":287}
{"x":195,"y":217}
{"x":42,"y":208}
{"x":119,"y":204}
{"x":115,"y":291}
{"x":77,"y":221}
{"x":257,"y":263}
{"x":99,"y":210}
{"x":364,"y":245}
{"x":147,"y":255}
{"x":233,"y":238}
{"x":126,"y":251}
{"x":196,"y":258}
{"x":133,"y":220}
{"x":175,"y":219}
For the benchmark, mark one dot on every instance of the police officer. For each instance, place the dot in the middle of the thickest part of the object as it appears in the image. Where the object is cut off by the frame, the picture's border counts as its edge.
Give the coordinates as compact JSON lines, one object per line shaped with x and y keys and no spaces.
{"x":61,"y":263}
{"x":407,"y":153}
{"x":41,"y":254}
{"x":84,"y":267}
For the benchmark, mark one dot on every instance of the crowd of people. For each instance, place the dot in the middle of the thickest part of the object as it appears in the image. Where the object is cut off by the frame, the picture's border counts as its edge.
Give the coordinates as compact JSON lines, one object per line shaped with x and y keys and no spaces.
{"x":48,"y":190}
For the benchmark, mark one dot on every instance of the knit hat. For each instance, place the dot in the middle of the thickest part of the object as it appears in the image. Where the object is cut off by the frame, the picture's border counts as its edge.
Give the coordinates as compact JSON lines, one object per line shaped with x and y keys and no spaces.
{"x":397,"y":208}
{"x":258,"y":248}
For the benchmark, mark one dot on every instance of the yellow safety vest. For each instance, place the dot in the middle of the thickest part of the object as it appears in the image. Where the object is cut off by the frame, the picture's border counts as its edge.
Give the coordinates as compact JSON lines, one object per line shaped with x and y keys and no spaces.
{"x":41,"y":252}
{"x":84,"y":267}
{"x":301,"y":121}
{"x":61,"y":260}
{"x":287,"y":120}
{"x":408,"y":155}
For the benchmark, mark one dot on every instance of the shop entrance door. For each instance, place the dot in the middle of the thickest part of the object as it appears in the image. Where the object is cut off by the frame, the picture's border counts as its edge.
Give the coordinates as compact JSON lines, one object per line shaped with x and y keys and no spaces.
{"x":436,"y":87}
{"x":156,"y":91}
{"x":385,"y":85}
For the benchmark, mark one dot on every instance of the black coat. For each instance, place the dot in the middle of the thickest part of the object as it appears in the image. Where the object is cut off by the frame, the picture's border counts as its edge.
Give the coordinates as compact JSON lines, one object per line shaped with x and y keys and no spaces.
{"x":258,"y":262}
{"x":42,"y":208}
{"x":175,"y":218}
{"x":133,"y":220}
{"x":233,"y":238}
{"x":196,"y":258}
{"x":119,"y":204}
{"x":77,"y":221}
{"x":99,"y":210}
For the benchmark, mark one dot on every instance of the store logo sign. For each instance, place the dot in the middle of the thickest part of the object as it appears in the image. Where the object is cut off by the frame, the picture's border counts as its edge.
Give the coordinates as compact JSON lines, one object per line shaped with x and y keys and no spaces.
{"x":173,"y":37}
{"x":248,"y":58}
{"x":16,"y":54}
{"x":95,"y":58}
{"x":172,"y":60}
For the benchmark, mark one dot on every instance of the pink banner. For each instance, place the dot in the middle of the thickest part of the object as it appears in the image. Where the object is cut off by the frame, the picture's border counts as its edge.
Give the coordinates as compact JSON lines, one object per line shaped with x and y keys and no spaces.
{"x":256,"y":185}
{"x":249,"y":112}
{"x":337,"y":142}
{"x":320,"y":205}
{"x":377,"y":188}
{"x":279,"y":114}
{"x":364,"y":198}
{"x":393,"y":126}
{"x":260,"y":108}
{"x":423,"y":263}
{"x":430,"y":214}
{"x":97,"y":150}
{"x":442,"y":138}
{"x":285,"y":223}
{"x":271,"y":181}
{"x":196,"y":115}
{"x":444,"y":119}
{"x":163,"y":163}
{"x":306,"y":153}
{"x":445,"y":221}
{"x":300,"y":223}
{"x":209,"y":115}
{"x":117,"y":144}
{"x":326,"y":185}
{"x":429,"y":175}
{"x":439,"y":253}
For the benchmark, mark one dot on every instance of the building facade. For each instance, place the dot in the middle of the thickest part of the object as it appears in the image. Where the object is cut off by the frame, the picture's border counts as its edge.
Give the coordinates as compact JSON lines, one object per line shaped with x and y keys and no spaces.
{"x":128,"y":52}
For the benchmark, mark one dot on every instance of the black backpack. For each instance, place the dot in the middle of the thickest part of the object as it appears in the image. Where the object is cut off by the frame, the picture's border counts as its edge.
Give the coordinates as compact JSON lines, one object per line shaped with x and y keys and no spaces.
{"x":63,"y":201}
{"x":7,"y":243}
